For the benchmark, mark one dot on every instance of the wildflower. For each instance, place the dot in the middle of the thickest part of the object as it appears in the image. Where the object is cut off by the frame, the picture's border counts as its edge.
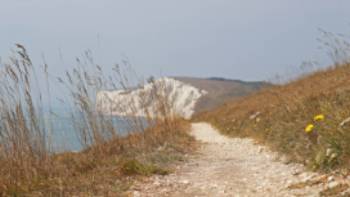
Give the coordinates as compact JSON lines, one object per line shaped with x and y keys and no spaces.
{"x":319,"y":117}
{"x":309,"y":128}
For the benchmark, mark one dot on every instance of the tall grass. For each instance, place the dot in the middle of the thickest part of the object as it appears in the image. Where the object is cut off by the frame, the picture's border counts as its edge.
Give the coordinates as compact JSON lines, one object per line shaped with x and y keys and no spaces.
{"x":23,"y":134}
{"x":27,"y":159}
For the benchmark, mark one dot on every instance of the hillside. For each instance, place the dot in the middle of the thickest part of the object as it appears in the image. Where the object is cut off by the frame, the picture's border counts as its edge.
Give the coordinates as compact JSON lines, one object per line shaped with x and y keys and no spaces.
{"x":306,"y":120}
{"x":220,"y":90}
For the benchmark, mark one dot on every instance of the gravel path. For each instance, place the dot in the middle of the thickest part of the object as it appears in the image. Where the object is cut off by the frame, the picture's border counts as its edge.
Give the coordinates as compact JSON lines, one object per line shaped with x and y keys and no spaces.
{"x":229,"y":167}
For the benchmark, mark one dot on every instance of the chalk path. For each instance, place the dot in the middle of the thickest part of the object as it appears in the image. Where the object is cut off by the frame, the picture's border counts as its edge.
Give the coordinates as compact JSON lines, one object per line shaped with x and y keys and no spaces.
{"x":228,"y":167}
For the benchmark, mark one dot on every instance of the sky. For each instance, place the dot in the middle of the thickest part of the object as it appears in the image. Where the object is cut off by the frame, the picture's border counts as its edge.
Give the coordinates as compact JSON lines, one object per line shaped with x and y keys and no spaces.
{"x":237,"y":39}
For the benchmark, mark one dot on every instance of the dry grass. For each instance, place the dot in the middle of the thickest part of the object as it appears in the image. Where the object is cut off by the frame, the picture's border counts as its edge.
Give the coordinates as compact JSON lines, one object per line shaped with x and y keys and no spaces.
{"x":29,"y":167}
{"x":91,"y":173}
{"x":278,"y":116}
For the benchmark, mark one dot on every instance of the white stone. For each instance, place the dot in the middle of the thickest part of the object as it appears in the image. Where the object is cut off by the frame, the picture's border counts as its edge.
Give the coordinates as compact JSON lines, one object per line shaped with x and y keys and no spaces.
{"x":185,"y":182}
{"x":156,"y":183}
{"x":332,"y":184}
{"x":330,"y":179}
{"x":136,"y":194}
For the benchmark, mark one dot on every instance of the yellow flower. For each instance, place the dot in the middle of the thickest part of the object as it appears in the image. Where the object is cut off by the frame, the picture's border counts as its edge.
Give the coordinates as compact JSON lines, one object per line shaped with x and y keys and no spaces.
{"x":309,"y":128}
{"x":319,"y":117}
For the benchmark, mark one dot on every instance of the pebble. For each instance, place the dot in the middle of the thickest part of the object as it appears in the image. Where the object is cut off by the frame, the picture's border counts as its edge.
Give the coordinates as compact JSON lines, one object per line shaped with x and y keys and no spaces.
{"x":330,"y":179}
{"x":332,"y":184}
{"x":156,"y":183}
{"x":185,"y":182}
{"x":136,"y":194}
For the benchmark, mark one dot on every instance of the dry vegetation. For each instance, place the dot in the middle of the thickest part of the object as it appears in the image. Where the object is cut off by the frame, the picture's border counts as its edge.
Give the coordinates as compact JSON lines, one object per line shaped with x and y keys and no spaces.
{"x":29,"y":166}
{"x":279,"y":116}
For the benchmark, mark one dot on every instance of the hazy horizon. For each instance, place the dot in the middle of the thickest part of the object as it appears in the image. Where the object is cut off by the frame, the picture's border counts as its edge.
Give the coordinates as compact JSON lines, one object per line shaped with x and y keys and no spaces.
{"x":246,"y":40}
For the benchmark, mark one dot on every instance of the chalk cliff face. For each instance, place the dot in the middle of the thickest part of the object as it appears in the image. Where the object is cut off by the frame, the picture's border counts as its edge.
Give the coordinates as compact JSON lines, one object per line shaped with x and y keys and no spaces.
{"x":162,"y":96}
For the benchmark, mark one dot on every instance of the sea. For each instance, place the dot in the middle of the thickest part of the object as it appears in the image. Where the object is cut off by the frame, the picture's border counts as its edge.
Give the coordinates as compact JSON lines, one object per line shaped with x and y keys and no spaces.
{"x":63,"y":136}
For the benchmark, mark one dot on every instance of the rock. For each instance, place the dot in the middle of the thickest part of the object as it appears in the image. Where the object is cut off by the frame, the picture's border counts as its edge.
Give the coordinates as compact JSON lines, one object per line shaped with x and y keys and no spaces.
{"x":255,"y":115}
{"x":289,"y":182}
{"x":261,"y":149}
{"x":332,"y":184}
{"x":344,"y":122}
{"x":186,"y":182}
{"x":330,"y":179}
{"x":296,"y":172}
{"x":221,"y":192}
{"x":214,"y":186}
{"x":136,"y":194}
{"x":284,"y":159}
{"x":182,"y":97}
{"x":156,"y":183}
{"x":306,"y":177}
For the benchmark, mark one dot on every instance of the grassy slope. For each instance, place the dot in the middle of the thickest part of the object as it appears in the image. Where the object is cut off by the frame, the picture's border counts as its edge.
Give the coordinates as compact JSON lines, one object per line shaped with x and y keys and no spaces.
{"x":107,"y":169}
{"x":278,"y":116}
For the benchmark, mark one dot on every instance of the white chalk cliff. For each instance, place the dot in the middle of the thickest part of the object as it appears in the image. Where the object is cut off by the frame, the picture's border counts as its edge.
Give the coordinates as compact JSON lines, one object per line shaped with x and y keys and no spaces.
{"x":152,"y":99}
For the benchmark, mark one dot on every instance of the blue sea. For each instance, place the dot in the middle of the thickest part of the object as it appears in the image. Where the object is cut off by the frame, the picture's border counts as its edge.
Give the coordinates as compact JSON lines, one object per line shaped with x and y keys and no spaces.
{"x":64,"y":136}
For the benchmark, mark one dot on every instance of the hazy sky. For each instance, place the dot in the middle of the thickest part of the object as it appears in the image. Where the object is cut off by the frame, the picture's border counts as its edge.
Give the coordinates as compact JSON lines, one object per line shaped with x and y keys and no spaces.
{"x":245,"y":39}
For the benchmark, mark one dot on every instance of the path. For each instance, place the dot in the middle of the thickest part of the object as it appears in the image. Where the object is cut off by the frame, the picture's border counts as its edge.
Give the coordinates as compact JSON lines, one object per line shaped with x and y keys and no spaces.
{"x":229,"y":167}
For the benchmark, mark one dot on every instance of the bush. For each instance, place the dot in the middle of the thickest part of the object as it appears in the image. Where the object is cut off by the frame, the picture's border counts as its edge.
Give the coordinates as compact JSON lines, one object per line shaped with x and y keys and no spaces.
{"x":134,"y":167}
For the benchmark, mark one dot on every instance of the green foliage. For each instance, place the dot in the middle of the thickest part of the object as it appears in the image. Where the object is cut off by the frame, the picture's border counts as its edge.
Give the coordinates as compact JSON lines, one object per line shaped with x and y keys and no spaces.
{"x":135,"y":167}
